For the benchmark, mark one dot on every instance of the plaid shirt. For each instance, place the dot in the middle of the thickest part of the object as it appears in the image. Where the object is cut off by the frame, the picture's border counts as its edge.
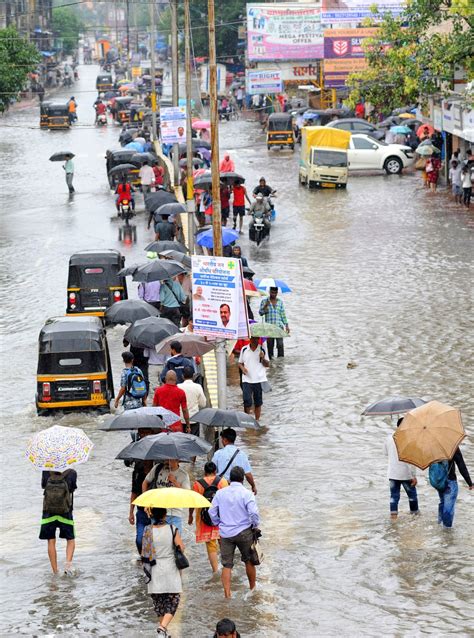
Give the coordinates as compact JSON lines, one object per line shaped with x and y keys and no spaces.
{"x":274,"y":313}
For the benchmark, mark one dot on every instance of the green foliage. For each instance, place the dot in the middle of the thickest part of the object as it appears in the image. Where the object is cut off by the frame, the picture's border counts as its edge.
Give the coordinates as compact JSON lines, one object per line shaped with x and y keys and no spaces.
{"x":17,"y":59}
{"x":415,"y":54}
{"x":67,"y":25}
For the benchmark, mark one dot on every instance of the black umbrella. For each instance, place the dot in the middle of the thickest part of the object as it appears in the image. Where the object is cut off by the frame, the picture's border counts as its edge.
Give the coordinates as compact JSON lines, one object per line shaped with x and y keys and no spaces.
{"x":202,"y":181}
{"x":232,"y":175}
{"x":61,"y":156}
{"x":175,"y":255}
{"x":144,"y":157}
{"x":197,"y":143}
{"x":197,"y":162}
{"x":150,"y":418}
{"x":393,"y":405}
{"x":155,"y":200}
{"x":146,"y":333}
{"x":154,"y":270}
{"x":174,"y":208}
{"x":248,"y":272}
{"x":166,"y":445}
{"x":164,"y":244}
{"x":122,"y":168}
{"x":128,"y":311}
{"x":226,"y":419}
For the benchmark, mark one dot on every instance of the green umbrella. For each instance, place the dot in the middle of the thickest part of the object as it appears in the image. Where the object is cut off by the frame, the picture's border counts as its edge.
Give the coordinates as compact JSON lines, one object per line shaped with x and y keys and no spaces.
{"x":267,"y":330}
{"x":426,"y":150}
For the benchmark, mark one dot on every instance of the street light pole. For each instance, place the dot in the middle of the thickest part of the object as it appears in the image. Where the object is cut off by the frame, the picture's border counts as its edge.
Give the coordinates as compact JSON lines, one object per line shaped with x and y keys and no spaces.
{"x":175,"y":78}
{"x":128,"y":29}
{"x":152,"y":70}
{"x":190,"y":204}
{"x":214,"y":117}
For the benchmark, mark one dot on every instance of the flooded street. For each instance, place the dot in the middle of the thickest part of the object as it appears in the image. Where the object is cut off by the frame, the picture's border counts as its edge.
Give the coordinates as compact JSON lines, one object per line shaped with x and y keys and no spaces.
{"x":381,"y":277}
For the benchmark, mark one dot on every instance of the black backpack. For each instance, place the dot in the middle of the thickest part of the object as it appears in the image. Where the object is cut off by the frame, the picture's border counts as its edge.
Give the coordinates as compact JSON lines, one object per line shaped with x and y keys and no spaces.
{"x":209,"y":493}
{"x":57,"y":497}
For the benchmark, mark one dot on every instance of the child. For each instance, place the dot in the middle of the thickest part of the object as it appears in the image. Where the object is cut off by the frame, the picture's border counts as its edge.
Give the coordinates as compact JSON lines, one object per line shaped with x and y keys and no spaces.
{"x":455,"y":177}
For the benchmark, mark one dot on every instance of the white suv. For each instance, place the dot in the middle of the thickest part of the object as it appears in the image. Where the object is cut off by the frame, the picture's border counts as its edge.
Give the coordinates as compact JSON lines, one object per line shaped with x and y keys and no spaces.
{"x":365,"y":153}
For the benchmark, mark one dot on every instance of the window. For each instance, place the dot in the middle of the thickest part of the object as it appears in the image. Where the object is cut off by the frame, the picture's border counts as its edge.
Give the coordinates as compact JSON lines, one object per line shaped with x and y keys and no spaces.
{"x":69,"y":362}
{"x":362,"y":126}
{"x":93,"y":271}
{"x":362,"y":143}
{"x":329,"y":158}
{"x":345,"y":126}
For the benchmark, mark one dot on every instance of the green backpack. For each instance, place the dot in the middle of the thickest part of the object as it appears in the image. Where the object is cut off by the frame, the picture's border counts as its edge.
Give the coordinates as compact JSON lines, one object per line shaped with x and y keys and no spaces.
{"x":57,"y":497}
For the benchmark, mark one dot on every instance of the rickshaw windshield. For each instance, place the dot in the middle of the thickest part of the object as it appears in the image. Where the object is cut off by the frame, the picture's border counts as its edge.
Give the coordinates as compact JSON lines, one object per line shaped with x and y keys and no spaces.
{"x":81,"y":362}
{"x":280,"y":124}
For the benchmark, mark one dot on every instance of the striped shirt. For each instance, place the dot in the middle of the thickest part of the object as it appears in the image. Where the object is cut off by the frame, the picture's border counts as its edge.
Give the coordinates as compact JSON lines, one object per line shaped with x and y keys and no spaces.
{"x":274,"y":313}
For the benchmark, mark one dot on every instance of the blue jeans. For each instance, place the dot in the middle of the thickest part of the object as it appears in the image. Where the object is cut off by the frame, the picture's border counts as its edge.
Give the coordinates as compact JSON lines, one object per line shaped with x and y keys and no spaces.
{"x":176,"y":521}
{"x":395,"y":495}
{"x":447,"y":503}
{"x":141,"y":521}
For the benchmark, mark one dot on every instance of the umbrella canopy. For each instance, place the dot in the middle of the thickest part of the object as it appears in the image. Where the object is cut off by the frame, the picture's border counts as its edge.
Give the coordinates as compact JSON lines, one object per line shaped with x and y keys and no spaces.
{"x":248,"y":271}
{"x":424,"y":129}
{"x":232,"y":176}
{"x":404,"y":130}
{"x":166,"y":445}
{"x":155,"y":200}
{"x":146,"y":333}
{"x":174,"y":208}
{"x":215,"y":418}
{"x":175,"y":255}
{"x":193,"y":345}
{"x":196,"y":161}
{"x":197,"y":144}
{"x":143,"y":157}
{"x":61,"y":156}
{"x":206,"y":238}
{"x":128,"y":311}
{"x":426,"y":149}
{"x":159,"y":246}
{"x":266,"y":329}
{"x":155,"y":270}
{"x":203,"y":181}
{"x":392,"y":405}
{"x":268,"y":282}
{"x":58,"y":448}
{"x":135,"y":146}
{"x":407,"y":116}
{"x":122,"y":168}
{"x":250,"y":289}
{"x":200,"y":124}
{"x":167,"y":497}
{"x":429,"y":434}
{"x":149,"y":418}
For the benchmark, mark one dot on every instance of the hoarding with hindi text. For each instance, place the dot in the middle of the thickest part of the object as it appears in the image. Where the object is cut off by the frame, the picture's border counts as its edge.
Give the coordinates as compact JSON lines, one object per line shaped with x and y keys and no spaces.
{"x":343,"y":54}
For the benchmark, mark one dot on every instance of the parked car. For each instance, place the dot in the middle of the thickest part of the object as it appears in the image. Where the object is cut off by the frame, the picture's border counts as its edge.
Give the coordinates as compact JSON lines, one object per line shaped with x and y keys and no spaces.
{"x":357,"y":125}
{"x":365,"y":153}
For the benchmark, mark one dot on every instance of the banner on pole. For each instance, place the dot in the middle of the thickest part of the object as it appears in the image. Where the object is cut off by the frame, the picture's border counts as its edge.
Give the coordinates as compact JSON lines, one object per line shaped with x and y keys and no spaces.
{"x":219,"y":307}
{"x":343,"y":54}
{"x":263,"y":82}
{"x":173,"y":124}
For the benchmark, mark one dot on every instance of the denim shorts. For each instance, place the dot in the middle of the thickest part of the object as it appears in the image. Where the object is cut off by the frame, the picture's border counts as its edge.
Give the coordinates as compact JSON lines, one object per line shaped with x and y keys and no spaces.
{"x":252,"y":394}
{"x":457,"y":190}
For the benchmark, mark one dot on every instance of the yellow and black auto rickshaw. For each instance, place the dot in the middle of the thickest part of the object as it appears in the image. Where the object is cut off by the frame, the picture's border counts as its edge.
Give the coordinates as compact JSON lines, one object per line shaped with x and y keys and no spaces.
{"x":104,"y":82}
{"x":54,"y":115}
{"x":94,"y":283}
{"x":73,"y":365}
{"x":280,"y":130}
{"x":121,"y":110}
{"x":123,"y":156}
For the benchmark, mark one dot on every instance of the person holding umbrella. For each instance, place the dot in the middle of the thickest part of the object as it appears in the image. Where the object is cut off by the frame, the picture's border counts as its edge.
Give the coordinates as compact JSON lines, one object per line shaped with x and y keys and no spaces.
{"x":168,"y":474}
{"x":69,"y":169}
{"x":400,"y":474}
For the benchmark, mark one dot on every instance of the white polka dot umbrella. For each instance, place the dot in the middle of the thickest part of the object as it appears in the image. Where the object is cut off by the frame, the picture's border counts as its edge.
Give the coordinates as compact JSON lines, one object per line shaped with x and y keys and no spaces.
{"x":58,"y":448}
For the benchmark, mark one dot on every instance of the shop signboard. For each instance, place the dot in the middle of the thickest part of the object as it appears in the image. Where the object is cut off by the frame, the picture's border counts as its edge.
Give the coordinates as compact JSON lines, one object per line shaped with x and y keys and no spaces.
{"x":343,"y":54}
{"x":354,"y":11}
{"x":263,"y":82}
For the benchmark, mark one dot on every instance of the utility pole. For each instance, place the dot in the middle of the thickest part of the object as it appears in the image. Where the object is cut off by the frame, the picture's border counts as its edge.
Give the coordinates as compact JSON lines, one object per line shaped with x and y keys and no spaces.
{"x":190,"y":204}
{"x":175,"y":78}
{"x":127,"y":16}
{"x":221,"y":355}
{"x":152,"y":70}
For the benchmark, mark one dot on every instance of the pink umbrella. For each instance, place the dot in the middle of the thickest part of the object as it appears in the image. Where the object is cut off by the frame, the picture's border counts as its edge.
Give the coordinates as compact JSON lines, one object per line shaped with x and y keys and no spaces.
{"x":200,"y":124}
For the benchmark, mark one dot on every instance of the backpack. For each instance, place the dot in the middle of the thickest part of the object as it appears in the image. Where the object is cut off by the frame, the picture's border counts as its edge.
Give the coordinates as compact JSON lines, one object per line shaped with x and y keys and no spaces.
{"x":57,"y":497}
{"x":178,"y":367}
{"x":209,"y":493}
{"x":136,"y":386}
{"x":438,"y":475}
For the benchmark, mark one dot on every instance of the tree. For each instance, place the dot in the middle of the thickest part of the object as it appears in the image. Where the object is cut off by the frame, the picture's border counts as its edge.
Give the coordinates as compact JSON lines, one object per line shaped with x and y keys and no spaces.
{"x":18,"y":58}
{"x":68,"y":26}
{"x":415,"y":54}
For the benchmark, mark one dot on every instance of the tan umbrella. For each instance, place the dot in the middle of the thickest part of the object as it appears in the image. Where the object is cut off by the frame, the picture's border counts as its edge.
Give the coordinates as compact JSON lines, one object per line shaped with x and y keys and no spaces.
{"x":429,"y":434}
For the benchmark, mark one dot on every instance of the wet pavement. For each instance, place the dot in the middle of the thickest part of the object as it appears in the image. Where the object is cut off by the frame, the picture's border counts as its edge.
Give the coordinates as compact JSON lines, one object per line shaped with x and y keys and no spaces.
{"x":381,"y":277}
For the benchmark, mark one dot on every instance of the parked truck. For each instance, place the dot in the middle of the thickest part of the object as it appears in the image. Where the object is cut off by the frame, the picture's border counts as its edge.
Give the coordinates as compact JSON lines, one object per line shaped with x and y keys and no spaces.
{"x":323,"y":161}
{"x":221,"y":81}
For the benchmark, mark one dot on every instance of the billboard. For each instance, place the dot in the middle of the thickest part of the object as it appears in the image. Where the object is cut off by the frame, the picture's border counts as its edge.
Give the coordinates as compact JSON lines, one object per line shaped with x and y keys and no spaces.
{"x":340,"y":11}
{"x":173,"y":124}
{"x":284,"y":31}
{"x":343,"y":54}
{"x":263,"y":82}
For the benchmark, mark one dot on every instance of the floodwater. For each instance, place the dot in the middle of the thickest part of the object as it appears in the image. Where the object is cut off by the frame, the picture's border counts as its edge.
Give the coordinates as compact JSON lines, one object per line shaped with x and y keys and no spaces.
{"x":381,"y":277}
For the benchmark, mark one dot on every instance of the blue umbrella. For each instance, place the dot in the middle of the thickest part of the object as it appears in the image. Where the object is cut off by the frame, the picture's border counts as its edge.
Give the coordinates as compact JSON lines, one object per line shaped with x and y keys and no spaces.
{"x":268,"y":282}
{"x":206,"y":238}
{"x":401,"y":129}
{"x":136,"y":146}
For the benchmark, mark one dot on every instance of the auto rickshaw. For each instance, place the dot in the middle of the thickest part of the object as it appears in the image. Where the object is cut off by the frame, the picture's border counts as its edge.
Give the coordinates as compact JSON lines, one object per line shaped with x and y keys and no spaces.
{"x":56,"y":115}
{"x":124,"y":156}
{"x":94,"y":283}
{"x":280,"y":130}
{"x":104,"y":82}
{"x":121,"y":109}
{"x":73,"y":365}
{"x":44,"y":114}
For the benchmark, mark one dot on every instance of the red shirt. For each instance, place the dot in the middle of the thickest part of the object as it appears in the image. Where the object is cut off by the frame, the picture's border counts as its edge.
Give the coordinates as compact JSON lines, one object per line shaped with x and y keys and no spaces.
{"x":124,"y":191}
{"x":100,"y":108}
{"x":239,"y":195}
{"x":172,"y":398}
{"x":225,"y":195}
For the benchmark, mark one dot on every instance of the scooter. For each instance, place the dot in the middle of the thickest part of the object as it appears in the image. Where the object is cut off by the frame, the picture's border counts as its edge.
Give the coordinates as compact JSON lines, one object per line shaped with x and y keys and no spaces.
{"x":125,"y":211}
{"x":101,"y":120}
{"x":258,"y":231}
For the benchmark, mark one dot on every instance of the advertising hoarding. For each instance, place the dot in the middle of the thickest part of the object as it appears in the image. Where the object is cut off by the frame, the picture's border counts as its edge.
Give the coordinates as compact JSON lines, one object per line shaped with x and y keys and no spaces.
{"x":263,"y":82}
{"x":173,"y":124}
{"x":284,"y":31}
{"x":343,"y":54}
{"x":344,"y":11}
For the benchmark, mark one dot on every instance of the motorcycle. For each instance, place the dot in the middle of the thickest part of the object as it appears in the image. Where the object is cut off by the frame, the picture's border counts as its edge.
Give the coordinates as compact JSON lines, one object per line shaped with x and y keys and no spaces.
{"x":101,"y":120}
{"x":125,"y":211}
{"x":257,"y":230}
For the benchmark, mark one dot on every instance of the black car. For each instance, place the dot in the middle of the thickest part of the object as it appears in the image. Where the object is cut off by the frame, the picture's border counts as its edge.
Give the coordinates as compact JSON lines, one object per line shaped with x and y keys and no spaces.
{"x":357,"y":125}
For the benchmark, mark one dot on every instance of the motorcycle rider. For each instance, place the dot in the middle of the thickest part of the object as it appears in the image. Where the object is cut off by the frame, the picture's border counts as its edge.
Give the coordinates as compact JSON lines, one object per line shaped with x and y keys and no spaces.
{"x":124,"y":191}
{"x":100,"y":109}
{"x":263,"y":188}
{"x":260,"y":209}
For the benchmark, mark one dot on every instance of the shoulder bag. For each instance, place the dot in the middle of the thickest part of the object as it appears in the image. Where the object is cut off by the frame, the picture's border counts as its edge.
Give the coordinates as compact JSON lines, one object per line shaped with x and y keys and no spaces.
{"x":179,"y":557}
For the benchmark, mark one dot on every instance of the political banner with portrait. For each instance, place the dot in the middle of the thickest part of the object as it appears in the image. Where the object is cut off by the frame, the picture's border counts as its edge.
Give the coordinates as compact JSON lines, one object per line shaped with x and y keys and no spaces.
{"x":173,"y":124}
{"x":353,"y":12}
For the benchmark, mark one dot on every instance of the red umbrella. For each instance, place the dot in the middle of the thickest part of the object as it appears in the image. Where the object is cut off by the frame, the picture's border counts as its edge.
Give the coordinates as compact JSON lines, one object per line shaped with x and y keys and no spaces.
{"x":251,"y":289}
{"x":425,"y":130}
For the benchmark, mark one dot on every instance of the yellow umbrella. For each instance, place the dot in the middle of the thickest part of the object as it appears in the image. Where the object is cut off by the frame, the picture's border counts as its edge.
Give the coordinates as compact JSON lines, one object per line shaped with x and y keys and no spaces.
{"x":429,"y":434}
{"x":171,"y":497}
{"x":407,"y":116}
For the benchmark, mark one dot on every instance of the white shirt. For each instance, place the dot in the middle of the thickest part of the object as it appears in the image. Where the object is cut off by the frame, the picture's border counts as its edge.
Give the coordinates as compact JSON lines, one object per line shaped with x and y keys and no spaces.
{"x":147,"y":176}
{"x":397,"y":470}
{"x":195,"y":396}
{"x":162,"y":481}
{"x":466,"y":179}
{"x":251,"y":360}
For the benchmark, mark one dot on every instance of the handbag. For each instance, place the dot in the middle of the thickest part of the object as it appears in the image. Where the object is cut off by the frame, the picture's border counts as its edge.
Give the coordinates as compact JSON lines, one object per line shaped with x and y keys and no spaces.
{"x":179,"y":557}
{"x":256,"y":553}
{"x":184,"y":308}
